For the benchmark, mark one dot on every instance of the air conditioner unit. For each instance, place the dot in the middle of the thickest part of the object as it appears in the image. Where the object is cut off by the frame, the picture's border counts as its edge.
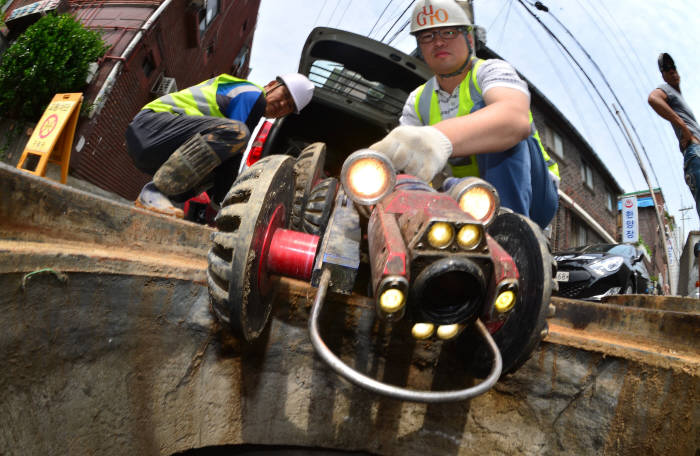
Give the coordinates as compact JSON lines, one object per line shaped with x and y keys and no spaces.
{"x":164,"y":86}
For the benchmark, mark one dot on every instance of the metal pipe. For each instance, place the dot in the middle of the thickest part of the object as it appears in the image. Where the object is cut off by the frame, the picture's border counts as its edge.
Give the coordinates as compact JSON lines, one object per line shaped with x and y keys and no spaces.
{"x":581,"y":212}
{"x":384,"y":389}
{"x":659,"y":219}
{"x":108,"y":85}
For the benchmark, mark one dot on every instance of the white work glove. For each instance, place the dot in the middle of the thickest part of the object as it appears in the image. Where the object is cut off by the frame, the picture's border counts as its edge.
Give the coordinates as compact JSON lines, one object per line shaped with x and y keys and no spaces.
{"x":419,"y":151}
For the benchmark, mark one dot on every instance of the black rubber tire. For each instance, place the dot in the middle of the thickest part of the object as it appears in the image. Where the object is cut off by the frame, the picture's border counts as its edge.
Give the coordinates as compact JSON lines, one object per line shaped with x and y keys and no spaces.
{"x":319,"y":206}
{"x":555,"y":284}
{"x":233,"y":260}
{"x":526,"y":325}
{"x":308,"y":171}
{"x":629,"y":287}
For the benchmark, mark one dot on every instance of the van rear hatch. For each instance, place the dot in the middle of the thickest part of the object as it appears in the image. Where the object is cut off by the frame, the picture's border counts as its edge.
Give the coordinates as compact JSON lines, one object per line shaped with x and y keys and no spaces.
{"x":361,"y":87}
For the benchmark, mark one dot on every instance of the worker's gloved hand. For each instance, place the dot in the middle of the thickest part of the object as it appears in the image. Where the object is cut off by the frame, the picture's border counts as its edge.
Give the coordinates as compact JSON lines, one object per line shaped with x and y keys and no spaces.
{"x":419,"y":151}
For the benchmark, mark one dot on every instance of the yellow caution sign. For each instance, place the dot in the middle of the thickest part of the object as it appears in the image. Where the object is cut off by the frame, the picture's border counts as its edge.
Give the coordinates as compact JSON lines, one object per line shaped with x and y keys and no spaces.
{"x":52,"y":139}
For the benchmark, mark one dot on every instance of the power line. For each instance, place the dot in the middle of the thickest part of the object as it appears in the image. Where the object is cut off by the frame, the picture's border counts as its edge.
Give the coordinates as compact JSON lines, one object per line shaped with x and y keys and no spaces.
{"x":498,"y":14}
{"x":505,"y":21}
{"x":398,"y":32}
{"x":663,"y":138}
{"x":573,"y":59}
{"x":605,"y":80}
{"x":555,"y":69}
{"x":319,"y":12}
{"x":396,"y":21}
{"x":390,"y":17}
{"x":380,"y":16}
{"x":602,"y":75}
{"x":625,"y":55}
{"x":585,"y":86}
{"x":344,"y":11}
{"x":337,"y":4}
{"x":620,"y":122}
{"x":624,"y":37}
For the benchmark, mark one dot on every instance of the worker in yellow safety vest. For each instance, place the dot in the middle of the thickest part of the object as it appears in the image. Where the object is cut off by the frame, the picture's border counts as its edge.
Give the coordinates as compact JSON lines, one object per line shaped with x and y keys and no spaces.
{"x":473,"y":114}
{"x":192,"y":140}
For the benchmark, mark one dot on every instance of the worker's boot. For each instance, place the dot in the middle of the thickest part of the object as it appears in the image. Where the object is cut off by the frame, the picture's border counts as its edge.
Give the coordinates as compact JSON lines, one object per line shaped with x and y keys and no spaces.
{"x":187,"y":167}
{"x":152,"y":199}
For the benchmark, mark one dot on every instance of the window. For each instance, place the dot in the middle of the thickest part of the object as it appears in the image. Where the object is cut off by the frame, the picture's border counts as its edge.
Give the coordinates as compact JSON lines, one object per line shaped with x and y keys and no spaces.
{"x":587,"y":175}
{"x":147,"y":65}
{"x":558,"y":146}
{"x":207,"y":15}
{"x":582,"y":236}
{"x":610,"y":201}
{"x":355,"y":88}
{"x":553,"y":142}
{"x":240,"y":61}
{"x":579,"y":233}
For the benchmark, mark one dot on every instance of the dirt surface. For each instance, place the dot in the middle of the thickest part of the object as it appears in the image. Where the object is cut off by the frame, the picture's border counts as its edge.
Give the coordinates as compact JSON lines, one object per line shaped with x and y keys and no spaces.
{"x":625,"y":347}
{"x":108,"y":346}
{"x":126,"y":364}
{"x":69,"y":256}
{"x":676,"y":303}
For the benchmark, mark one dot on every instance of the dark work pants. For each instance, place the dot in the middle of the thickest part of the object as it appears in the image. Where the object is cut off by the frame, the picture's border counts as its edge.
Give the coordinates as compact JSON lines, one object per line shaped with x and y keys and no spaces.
{"x":152,"y":137}
{"x":522,"y":181}
{"x":691,"y":168}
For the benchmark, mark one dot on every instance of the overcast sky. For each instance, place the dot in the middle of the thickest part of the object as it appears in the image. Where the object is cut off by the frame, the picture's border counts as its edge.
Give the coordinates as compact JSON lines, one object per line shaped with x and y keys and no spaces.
{"x":623,"y":38}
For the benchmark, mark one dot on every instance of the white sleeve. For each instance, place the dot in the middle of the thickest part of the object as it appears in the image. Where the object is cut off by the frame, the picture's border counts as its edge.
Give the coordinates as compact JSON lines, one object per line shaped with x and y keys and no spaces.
{"x":408,"y":115}
{"x":499,"y":73}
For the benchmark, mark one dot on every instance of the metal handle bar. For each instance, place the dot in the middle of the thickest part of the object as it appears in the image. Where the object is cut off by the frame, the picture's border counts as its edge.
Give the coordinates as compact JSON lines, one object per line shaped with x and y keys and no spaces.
{"x":396,"y":392}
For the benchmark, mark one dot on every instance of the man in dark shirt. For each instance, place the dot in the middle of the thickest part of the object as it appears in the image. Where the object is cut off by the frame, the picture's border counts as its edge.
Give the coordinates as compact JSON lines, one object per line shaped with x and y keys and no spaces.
{"x":668,"y":102}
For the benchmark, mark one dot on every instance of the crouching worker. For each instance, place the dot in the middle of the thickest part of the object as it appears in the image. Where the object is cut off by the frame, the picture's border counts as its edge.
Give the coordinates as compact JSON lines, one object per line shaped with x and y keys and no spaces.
{"x":192,"y":140}
{"x":474,"y":114}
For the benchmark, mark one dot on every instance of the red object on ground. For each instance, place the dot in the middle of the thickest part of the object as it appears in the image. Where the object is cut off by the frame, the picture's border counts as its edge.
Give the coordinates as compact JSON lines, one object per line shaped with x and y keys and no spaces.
{"x":199,"y":210}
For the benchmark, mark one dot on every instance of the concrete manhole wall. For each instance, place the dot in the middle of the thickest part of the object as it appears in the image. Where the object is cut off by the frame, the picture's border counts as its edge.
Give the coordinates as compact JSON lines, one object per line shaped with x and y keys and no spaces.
{"x":120,"y":364}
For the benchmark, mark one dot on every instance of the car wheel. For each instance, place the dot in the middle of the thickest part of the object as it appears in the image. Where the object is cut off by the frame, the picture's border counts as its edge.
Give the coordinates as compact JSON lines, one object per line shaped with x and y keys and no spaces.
{"x":629,"y":288}
{"x":526,"y":325}
{"x":259,"y":202}
{"x":308,"y":169}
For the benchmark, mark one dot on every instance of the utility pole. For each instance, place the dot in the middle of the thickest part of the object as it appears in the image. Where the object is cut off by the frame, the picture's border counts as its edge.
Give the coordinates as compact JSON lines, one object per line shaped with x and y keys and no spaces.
{"x":662,"y":226}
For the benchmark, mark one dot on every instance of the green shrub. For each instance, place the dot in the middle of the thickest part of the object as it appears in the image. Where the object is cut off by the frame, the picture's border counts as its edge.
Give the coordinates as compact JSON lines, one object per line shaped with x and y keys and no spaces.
{"x":50,"y":57}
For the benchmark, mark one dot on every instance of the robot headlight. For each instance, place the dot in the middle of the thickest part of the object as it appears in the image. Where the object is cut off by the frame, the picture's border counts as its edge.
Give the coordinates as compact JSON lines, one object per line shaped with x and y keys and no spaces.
{"x":367,"y":176}
{"x":477,"y":198}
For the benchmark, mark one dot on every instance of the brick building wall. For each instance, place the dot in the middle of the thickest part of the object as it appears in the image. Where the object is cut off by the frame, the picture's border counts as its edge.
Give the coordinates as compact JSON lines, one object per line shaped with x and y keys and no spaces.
{"x":598,"y":196}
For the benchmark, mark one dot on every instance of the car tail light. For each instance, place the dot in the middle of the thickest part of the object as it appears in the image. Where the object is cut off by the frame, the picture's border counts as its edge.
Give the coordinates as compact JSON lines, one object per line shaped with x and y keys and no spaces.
{"x":257,"y":147}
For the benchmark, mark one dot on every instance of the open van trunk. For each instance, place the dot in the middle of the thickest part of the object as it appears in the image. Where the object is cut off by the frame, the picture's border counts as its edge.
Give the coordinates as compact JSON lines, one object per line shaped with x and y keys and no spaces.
{"x":361,"y":87}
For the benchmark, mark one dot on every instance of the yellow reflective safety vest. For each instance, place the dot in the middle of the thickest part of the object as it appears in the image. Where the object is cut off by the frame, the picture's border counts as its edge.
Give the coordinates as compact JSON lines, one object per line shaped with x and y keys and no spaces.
{"x":427,"y":108}
{"x":198,"y":100}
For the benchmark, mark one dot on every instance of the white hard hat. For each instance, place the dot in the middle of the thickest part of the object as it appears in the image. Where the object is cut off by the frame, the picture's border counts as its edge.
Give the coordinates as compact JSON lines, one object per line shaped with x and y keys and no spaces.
{"x":299,"y":86}
{"x":438,"y":13}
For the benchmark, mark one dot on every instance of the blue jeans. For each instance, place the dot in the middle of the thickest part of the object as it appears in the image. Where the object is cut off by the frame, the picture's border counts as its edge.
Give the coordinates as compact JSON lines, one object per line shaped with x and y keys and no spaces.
{"x":691,"y":169}
{"x":522,"y":180}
